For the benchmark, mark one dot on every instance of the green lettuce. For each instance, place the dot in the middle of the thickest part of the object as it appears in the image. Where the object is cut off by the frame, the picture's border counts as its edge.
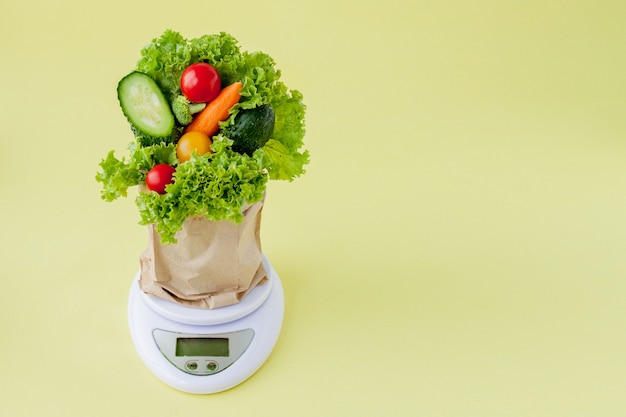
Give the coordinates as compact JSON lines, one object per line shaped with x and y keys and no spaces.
{"x":215,"y":186}
{"x":117,"y":175}
{"x":219,"y":184}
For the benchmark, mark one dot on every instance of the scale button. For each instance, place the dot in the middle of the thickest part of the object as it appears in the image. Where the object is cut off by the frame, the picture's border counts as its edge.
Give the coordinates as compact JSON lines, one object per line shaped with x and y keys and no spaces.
{"x":191,"y":365}
{"x":211,"y":366}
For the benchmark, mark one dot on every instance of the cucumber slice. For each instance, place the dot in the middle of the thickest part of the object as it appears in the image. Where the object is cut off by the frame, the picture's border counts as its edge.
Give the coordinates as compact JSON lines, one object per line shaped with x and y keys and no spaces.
{"x":144,"y":105}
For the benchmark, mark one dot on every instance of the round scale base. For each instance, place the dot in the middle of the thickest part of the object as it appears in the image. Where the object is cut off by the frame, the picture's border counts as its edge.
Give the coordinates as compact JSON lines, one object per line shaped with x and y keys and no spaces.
{"x":174,"y":341}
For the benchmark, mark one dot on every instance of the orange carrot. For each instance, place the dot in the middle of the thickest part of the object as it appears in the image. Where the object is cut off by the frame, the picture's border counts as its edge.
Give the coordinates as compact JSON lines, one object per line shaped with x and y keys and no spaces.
{"x":216,"y":111}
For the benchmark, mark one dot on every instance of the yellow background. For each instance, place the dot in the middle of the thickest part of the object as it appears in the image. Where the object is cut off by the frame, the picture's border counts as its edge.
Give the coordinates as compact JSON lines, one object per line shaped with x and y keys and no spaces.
{"x":456,"y":248}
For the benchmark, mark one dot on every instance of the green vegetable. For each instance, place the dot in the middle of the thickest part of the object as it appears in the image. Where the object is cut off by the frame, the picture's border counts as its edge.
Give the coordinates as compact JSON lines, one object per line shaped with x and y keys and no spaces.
{"x":184,"y":109}
{"x":118,"y":175}
{"x":216,"y":185}
{"x":147,"y":140}
{"x":144,"y":105}
{"x":252,"y":129}
{"x":227,"y":181}
{"x":167,"y":56}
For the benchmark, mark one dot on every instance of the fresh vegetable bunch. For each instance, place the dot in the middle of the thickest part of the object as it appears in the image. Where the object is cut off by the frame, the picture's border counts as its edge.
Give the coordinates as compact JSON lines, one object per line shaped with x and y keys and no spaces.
{"x":212,"y":125}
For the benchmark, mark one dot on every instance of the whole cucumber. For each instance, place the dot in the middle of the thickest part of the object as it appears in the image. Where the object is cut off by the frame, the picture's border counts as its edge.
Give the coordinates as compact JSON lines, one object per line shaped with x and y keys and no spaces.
{"x":252,"y":129}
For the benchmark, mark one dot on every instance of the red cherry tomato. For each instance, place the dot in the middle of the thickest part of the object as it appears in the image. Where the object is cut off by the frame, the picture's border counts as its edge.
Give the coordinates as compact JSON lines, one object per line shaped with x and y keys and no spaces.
{"x":200,"y":82}
{"x":159,"y":176}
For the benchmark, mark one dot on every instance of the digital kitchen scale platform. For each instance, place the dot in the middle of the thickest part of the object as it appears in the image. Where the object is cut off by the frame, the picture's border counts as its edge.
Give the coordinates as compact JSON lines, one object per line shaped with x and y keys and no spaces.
{"x":206,"y":351}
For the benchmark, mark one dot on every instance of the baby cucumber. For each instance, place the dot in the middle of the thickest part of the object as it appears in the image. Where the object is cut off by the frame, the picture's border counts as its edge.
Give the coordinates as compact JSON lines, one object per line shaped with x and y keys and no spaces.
{"x":144,"y":105}
{"x":252,"y":129}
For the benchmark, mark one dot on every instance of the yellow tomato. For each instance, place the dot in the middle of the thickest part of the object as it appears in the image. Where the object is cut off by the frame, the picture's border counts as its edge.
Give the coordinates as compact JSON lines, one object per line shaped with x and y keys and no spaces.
{"x":192,"y":141}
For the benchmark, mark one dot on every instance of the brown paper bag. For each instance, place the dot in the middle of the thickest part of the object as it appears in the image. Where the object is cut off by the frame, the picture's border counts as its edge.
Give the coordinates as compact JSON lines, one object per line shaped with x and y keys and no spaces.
{"x":213,"y":264}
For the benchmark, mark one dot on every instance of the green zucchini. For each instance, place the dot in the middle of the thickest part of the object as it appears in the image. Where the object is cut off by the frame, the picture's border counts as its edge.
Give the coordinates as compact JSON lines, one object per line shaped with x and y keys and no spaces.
{"x":252,"y":129}
{"x":145,"y":106}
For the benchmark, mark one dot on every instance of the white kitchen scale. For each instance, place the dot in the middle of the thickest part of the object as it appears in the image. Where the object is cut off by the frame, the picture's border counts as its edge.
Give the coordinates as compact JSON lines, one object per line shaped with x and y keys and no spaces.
{"x":203,"y":351}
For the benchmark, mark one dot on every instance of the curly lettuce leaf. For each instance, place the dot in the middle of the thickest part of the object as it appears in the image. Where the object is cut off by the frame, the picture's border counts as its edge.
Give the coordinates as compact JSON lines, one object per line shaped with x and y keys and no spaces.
{"x":222,"y":51}
{"x":281,"y":163}
{"x":117,"y":175}
{"x":216,"y":186}
{"x":164,"y":59}
{"x":283,"y":158}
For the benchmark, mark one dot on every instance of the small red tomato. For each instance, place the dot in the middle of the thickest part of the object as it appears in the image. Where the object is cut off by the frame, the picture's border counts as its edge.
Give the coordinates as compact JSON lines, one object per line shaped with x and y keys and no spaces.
{"x":200,"y":82}
{"x":159,"y":176}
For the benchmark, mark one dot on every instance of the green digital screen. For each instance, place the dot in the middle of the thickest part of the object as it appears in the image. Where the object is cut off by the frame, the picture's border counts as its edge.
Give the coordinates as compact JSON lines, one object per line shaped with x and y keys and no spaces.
{"x":202,"y":346}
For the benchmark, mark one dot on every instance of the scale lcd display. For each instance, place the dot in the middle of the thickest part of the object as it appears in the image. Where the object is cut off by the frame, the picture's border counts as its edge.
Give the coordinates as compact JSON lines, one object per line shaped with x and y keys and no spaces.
{"x":202,"y":346}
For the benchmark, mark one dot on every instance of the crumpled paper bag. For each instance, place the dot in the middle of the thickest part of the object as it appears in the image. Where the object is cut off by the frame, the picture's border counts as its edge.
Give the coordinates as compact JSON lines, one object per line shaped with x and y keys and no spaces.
{"x":213,"y":264}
